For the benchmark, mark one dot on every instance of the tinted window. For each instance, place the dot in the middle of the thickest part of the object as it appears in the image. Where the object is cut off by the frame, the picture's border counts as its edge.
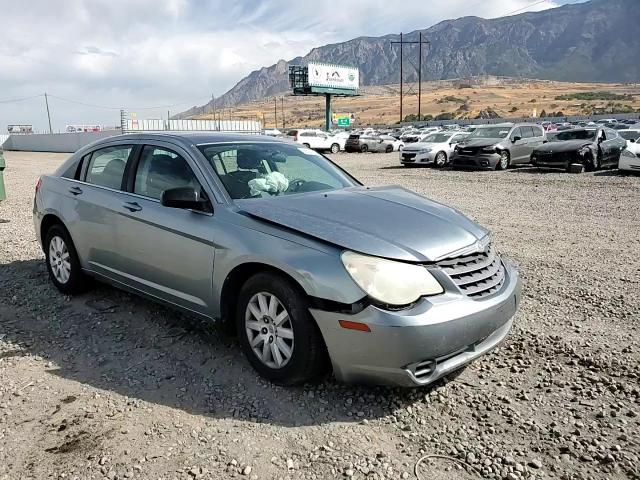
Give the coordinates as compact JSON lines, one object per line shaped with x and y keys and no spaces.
{"x":272,"y":169}
{"x":527,"y":132}
{"x":458,"y":138}
{"x":308,"y":134}
{"x":538,"y":132}
{"x":107,"y":165}
{"x":576,"y":135}
{"x":161,"y":169}
{"x":517,"y":132}
{"x":490,"y":132}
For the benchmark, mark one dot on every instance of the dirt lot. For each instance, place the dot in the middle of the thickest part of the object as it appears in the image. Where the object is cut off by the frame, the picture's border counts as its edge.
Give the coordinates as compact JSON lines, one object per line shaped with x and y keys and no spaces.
{"x":107,"y":385}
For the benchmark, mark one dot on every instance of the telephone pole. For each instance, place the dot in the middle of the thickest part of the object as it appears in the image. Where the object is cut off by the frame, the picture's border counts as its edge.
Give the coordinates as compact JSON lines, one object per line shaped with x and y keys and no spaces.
{"x":46,"y":101}
{"x":275,"y":111}
{"x":282,"y":111}
{"x":403,"y":42}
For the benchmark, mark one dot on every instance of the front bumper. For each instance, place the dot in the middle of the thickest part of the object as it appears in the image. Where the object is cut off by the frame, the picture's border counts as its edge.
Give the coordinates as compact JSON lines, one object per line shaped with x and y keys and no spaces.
{"x":418,"y":346}
{"x":407,"y":156}
{"x":629,"y":164}
{"x":484,"y":160}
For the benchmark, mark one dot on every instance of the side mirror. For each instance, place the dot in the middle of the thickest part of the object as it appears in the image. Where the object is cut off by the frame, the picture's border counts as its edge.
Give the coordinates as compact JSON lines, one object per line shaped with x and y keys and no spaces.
{"x":516,"y":139}
{"x":182,"y":197}
{"x":633,"y":140}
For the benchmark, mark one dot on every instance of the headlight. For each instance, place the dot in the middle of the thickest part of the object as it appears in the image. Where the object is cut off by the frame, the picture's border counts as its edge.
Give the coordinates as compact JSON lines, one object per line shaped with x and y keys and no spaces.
{"x":388,"y":281}
{"x":425,"y":150}
{"x":489,"y":150}
{"x":584,"y":151}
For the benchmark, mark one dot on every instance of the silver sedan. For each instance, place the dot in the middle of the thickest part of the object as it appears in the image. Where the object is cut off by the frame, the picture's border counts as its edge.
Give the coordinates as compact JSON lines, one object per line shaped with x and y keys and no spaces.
{"x":313,"y":270}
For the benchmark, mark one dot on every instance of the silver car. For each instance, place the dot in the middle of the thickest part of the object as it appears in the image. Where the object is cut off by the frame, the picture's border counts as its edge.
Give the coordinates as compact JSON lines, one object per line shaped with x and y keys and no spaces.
{"x":313,"y":269}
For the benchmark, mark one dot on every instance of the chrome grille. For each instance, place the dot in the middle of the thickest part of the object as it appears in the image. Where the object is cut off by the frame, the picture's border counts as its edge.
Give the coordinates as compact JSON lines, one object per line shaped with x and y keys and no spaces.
{"x":478,"y":275}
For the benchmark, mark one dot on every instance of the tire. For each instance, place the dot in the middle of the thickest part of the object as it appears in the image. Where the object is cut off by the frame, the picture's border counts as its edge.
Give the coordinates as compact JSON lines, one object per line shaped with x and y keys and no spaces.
{"x":335,"y":148}
{"x":575,"y":168}
{"x":504,"y":162}
{"x":307,"y":353}
{"x":306,"y":145}
{"x":62,"y":260}
{"x":389,"y":149}
{"x":440,"y":160}
{"x":364,"y":148}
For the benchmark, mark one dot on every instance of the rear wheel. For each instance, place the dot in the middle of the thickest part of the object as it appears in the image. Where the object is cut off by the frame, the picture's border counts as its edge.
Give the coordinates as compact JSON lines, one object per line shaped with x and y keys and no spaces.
{"x":389,"y":149}
{"x":277,"y":333}
{"x":364,"y":148}
{"x":335,"y":148}
{"x":62,"y":260}
{"x":503,"y":162}
{"x":440,"y":160}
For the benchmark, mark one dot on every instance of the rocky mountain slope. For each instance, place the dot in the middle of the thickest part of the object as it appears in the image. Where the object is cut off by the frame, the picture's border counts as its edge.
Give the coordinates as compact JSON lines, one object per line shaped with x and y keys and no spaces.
{"x":587,"y":42}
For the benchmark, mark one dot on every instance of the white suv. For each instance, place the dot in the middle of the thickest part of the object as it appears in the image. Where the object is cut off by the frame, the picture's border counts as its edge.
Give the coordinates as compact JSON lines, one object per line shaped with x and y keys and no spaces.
{"x":317,"y":140}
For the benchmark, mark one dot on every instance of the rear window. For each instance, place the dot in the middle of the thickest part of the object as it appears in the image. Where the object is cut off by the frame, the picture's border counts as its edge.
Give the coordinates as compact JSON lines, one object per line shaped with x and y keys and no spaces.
{"x":292,"y":133}
{"x":354,"y":137}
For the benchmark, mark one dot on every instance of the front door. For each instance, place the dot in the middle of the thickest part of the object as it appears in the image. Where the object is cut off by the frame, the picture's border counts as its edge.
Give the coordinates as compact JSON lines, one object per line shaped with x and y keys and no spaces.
{"x":168,"y":252}
{"x":519,"y":146}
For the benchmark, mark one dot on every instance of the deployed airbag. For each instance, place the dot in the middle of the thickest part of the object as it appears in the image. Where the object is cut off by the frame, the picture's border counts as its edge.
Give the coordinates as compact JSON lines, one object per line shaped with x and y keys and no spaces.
{"x":273,"y":183}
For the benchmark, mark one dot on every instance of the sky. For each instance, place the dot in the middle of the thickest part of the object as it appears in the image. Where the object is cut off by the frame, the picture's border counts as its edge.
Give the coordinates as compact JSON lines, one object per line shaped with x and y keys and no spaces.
{"x":93,"y":57}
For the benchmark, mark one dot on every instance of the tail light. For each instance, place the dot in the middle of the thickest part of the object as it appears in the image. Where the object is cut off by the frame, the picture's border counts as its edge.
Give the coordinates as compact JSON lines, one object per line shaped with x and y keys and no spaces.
{"x":38,"y":185}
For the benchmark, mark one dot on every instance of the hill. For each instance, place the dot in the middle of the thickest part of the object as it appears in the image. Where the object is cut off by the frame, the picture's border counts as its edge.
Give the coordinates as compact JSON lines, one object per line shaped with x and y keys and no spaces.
{"x":586,"y":42}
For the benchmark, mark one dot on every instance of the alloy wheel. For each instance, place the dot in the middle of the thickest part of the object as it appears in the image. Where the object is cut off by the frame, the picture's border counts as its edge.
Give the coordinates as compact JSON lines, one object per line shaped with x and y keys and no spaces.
{"x":59,"y":259}
{"x":269,"y":330}
{"x":441,"y":159}
{"x":504,"y":160}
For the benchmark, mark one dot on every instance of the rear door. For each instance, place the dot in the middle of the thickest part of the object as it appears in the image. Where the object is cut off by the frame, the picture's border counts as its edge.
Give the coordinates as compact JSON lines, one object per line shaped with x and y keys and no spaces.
{"x":167,"y":253}
{"x":93,"y":214}
{"x":518,"y":147}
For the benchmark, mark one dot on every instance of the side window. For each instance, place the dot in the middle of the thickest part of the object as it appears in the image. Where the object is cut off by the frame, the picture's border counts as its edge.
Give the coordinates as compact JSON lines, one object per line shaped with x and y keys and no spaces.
{"x":516,"y":133}
{"x":457,"y":138}
{"x":107,"y":165}
{"x":527,"y":132}
{"x":161,"y":169}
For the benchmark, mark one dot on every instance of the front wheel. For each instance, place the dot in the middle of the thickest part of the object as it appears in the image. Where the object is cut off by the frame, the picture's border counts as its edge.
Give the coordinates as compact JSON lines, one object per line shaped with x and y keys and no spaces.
{"x":62,"y":260}
{"x":335,"y":148}
{"x":441,"y":159}
{"x":277,"y":333}
{"x":503,"y":162}
{"x":364,"y":148}
{"x":389,"y":149}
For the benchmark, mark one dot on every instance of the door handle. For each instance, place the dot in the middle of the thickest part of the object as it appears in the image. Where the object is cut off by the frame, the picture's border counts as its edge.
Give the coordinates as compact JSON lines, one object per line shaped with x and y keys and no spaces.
{"x":132,"y":206}
{"x":75,"y":190}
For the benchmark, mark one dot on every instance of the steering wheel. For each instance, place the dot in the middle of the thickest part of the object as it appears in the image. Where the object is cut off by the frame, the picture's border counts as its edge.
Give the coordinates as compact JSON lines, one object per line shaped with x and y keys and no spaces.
{"x":294,"y":185}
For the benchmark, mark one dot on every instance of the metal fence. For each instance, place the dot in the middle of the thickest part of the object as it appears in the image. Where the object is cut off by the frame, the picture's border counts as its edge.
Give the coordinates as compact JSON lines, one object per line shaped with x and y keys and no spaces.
{"x":160,"y":125}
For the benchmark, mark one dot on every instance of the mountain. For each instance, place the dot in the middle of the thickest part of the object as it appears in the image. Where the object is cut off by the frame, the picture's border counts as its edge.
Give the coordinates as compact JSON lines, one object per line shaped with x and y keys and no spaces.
{"x":585,"y":42}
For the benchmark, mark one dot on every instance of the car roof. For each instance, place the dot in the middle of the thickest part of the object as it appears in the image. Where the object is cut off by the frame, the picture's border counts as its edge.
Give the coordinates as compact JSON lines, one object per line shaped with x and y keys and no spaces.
{"x":196,"y":138}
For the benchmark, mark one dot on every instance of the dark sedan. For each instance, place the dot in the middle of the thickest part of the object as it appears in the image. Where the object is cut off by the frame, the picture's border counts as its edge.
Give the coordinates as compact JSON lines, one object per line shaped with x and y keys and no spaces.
{"x":589,"y":148}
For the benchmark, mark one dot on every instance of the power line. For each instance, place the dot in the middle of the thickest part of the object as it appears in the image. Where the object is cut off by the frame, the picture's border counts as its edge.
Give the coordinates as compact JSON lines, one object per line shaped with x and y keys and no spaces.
{"x":14,"y":100}
{"x":92,"y":105}
{"x":523,"y":8}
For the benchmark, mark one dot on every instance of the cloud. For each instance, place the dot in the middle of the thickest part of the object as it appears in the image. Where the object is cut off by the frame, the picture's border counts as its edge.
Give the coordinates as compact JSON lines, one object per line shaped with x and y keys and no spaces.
{"x":137,"y":53}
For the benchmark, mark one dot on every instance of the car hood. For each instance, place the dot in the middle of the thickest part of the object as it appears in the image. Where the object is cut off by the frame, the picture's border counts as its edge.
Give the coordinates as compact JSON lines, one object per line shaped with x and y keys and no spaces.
{"x":481,"y":142}
{"x":389,"y":222}
{"x":564,"y":146}
{"x":419,"y":145}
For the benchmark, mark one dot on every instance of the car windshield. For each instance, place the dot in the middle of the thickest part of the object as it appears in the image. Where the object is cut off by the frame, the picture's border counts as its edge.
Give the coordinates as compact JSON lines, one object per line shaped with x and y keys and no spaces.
{"x":437,"y":138}
{"x":629,"y":134}
{"x":490,"y":132}
{"x":576,"y":135}
{"x":258,"y":170}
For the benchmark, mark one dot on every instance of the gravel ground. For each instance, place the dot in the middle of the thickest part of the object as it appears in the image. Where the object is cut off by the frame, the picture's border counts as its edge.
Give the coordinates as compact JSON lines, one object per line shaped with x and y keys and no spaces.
{"x":107,"y":385}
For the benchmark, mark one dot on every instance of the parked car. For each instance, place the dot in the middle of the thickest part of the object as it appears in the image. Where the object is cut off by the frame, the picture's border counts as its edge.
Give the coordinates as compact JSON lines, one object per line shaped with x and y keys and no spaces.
{"x":396,"y":144}
{"x":366,"y":143}
{"x":590,"y":148}
{"x":629,"y":161}
{"x":498,"y":146}
{"x":317,"y":140}
{"x":435,"y":149}
{"x":313,"y":269}
{"x":632,"y":136}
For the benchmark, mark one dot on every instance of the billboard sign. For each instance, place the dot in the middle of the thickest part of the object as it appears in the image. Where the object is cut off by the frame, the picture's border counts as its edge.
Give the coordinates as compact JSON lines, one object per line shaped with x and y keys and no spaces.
{"x":326,"y":75}
{"x":83,"y":128}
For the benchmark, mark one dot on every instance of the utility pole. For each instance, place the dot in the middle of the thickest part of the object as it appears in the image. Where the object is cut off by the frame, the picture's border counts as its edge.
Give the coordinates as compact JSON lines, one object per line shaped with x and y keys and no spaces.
{"x":403,"y":42}
{"x":213,"y":101}
{"x":46,"y":101}
{"x":282,"y":111}
{"x":275,"y":111}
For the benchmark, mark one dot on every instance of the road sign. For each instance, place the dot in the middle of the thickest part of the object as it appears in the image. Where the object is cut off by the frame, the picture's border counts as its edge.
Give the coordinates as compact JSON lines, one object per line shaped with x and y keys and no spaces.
{"x":344,"y":122}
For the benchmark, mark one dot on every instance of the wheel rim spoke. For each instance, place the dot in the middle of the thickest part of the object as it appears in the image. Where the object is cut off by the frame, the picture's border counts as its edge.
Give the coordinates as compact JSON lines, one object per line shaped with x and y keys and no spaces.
{"x":256,"y":340}
{"x":255,"y":311}
{"x":282,"y":316}
{"x":275,"y":353}
{"x":284,"y":348}
{"x":273,"y":306}
{"x":265,"y":352}
{"x":285,"y":333}
{"x":254,"y":325}
{"x":262,"y":302}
